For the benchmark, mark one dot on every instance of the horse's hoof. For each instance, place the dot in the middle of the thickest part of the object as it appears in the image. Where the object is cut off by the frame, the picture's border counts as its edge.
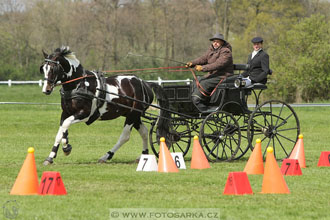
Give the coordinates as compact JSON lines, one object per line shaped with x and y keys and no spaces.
{"x":102,"y":160}
{"x":48,"y":161}
{"x":67,"y":150}
{"x":106,"y":157}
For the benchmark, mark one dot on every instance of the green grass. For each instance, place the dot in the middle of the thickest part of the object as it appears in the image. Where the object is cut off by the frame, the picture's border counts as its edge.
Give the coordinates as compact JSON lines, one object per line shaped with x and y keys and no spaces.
{"x":95,"y":188}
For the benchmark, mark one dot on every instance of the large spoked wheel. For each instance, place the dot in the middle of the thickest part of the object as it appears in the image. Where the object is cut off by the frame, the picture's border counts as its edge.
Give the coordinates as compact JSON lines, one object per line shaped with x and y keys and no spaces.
{"x":220,"y":136}
{"x":243,"y":120}
{"x":177,"y":140}
{"x":276,"y":124}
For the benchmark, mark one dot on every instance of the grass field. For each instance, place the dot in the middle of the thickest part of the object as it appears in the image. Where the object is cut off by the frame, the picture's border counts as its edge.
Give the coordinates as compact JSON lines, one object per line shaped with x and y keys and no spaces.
{"x":93,"y":189}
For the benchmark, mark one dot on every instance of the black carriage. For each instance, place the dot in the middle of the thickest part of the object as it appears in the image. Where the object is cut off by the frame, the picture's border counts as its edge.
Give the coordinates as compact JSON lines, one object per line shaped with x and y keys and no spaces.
{"x":230,"y":126}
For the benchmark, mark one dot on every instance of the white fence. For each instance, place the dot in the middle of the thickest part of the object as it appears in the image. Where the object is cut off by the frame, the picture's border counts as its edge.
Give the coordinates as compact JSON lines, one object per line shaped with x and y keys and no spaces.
{"x":10,"y":82}
{"x":39,"y":82}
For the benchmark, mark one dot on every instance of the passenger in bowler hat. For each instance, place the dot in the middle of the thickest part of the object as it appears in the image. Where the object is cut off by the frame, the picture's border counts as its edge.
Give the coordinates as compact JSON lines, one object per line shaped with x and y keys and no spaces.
{"x":218,"y":63}
{"x":259,"y":63}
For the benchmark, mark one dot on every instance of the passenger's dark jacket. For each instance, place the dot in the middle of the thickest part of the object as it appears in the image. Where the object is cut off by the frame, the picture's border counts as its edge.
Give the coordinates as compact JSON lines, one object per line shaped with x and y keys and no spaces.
{"x":217,"y":61}
{"x":259,"y":67}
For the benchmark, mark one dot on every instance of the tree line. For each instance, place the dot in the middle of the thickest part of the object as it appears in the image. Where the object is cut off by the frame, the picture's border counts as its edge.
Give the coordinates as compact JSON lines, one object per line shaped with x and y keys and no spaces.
{"x":130,"y":34}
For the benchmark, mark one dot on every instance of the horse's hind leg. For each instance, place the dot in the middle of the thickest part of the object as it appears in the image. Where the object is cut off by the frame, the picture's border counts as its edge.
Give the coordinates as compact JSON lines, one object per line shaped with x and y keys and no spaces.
{"x":124,"y":137}
{"x":143,"y":131}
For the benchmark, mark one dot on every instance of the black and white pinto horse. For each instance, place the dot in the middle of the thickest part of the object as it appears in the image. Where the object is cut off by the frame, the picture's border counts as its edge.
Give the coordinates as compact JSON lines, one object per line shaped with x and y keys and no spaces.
{"x":87,"y":96}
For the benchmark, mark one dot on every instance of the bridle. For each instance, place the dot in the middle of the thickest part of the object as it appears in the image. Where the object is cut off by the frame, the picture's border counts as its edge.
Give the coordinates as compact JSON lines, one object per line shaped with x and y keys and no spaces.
{"x":57,"y":66}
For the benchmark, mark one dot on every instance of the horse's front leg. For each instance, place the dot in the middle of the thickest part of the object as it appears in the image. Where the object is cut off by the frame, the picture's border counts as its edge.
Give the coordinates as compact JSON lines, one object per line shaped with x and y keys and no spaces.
{"x":62,"y":135}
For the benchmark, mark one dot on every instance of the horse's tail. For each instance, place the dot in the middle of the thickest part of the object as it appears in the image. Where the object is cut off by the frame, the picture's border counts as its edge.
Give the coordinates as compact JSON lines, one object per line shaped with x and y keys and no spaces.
{"x":163,"y":122}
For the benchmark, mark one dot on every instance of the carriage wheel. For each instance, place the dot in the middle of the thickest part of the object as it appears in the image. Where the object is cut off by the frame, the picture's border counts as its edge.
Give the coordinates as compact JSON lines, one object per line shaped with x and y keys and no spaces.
{"x":243,"y":120}
{"x":178,"y":139}
{"x":220,"y":136}
{"x":276,"y":124}
{"x":242,"y":116}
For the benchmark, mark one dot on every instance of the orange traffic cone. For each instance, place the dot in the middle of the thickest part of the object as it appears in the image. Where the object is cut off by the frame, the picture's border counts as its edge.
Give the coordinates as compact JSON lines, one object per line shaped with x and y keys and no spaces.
{"x":198,"y":158}
{"x":298,"y":152}
{"x":273,"y":181}
{"x":255,"y":164}
{"x":27,"y":180}
{"x":166,"y":162}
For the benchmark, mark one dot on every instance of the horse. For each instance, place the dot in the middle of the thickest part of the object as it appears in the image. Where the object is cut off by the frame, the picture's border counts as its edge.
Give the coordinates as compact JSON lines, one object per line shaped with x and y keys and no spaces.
{"x":87,"y":96}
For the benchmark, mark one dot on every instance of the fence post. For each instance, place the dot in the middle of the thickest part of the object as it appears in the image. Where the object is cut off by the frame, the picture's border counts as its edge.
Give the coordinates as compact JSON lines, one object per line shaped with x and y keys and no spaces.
{"x":159,"y":81}
{"x":9,"y":82}
{"x":40,"y":82}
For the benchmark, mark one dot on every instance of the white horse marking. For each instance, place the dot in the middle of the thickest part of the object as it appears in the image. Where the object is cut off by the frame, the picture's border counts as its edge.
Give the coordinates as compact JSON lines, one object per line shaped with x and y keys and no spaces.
{"x":73,"y":61}
{"x":46,"y":69}
{"x":120,"y":78}
{"x":108,"y":97}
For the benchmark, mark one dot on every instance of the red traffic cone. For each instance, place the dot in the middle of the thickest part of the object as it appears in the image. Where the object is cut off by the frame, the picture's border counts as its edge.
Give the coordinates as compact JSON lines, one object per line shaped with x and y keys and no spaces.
{"x":291,"y":167}
{"x":237,"y":184}
{"x":166,"y":162}
{"x":324,"y":160}
{"x":255,"y":164}
{"x":298,"y":152}
{"x":198,"y":158}
{"x":27,"y":180}
{"x":51,"y":184}
{"x":273,"y":181}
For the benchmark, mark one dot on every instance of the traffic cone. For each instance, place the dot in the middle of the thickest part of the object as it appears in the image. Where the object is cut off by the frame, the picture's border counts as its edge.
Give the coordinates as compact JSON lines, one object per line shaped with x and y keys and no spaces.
{"x":237,"y":184}
{"x":298,"y":152}
{"x":324,"y":160}
{"x":51,"y":184}
{"x":166,"y":163}
{"x":291,"y":167}
{"x":255,"y":164}
{"x":273,"y":181}
{"x":27,"y":180}
{"x":198,"y":158}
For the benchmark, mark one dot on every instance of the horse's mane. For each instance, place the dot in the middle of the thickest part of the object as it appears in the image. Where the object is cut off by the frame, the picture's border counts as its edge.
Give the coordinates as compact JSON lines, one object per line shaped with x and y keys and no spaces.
{"x":66,"y":52}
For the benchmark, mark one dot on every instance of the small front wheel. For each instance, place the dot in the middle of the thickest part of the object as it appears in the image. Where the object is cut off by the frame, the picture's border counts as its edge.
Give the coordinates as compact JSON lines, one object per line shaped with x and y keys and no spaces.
{"x":220,"y":136}
{"x":178,"y":138}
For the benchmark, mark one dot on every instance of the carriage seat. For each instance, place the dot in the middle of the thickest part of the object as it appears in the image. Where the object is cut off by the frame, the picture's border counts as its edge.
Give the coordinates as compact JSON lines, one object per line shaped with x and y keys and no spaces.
{"x":241,"y":67}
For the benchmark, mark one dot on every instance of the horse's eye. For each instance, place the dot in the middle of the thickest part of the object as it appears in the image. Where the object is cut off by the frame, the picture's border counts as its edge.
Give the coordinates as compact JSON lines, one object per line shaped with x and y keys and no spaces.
{"x":41,"y":70}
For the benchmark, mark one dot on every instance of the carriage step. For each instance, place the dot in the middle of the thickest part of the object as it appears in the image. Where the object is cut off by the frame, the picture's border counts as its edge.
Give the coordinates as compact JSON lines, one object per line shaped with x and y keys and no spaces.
{"x":211,"y":109}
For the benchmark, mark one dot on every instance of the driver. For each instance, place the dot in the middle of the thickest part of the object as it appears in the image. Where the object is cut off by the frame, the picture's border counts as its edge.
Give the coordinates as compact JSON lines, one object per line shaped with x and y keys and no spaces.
{"x":218,"y":63}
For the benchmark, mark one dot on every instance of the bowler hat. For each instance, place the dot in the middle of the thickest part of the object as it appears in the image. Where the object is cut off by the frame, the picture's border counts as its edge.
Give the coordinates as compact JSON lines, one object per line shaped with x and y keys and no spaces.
{"x":218,"y":36}
{"x":257,"y":40}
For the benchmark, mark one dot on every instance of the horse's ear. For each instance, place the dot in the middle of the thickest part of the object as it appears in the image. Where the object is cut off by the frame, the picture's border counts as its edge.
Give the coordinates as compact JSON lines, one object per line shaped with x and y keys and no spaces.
{"x":44,"y":53}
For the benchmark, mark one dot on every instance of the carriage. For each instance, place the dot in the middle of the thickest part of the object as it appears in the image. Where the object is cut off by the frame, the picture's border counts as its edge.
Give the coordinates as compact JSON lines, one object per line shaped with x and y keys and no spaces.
{"x":227,"y":129}
{"x":230,"y":126}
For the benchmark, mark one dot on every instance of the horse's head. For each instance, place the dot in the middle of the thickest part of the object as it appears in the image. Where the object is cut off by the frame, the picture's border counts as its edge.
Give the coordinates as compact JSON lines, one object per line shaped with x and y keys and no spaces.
{"x":57,"y":66}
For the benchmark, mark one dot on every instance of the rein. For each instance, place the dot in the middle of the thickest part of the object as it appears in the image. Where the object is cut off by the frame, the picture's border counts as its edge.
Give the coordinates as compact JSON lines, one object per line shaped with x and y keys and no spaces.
{"x":72,"y":80}
{"x":200,"y":87}
{"x":157,"y":68}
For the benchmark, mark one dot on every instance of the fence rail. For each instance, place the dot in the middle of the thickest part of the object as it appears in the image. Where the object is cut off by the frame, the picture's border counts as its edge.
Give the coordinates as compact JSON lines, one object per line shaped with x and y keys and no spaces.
{"x":39,"y":82}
